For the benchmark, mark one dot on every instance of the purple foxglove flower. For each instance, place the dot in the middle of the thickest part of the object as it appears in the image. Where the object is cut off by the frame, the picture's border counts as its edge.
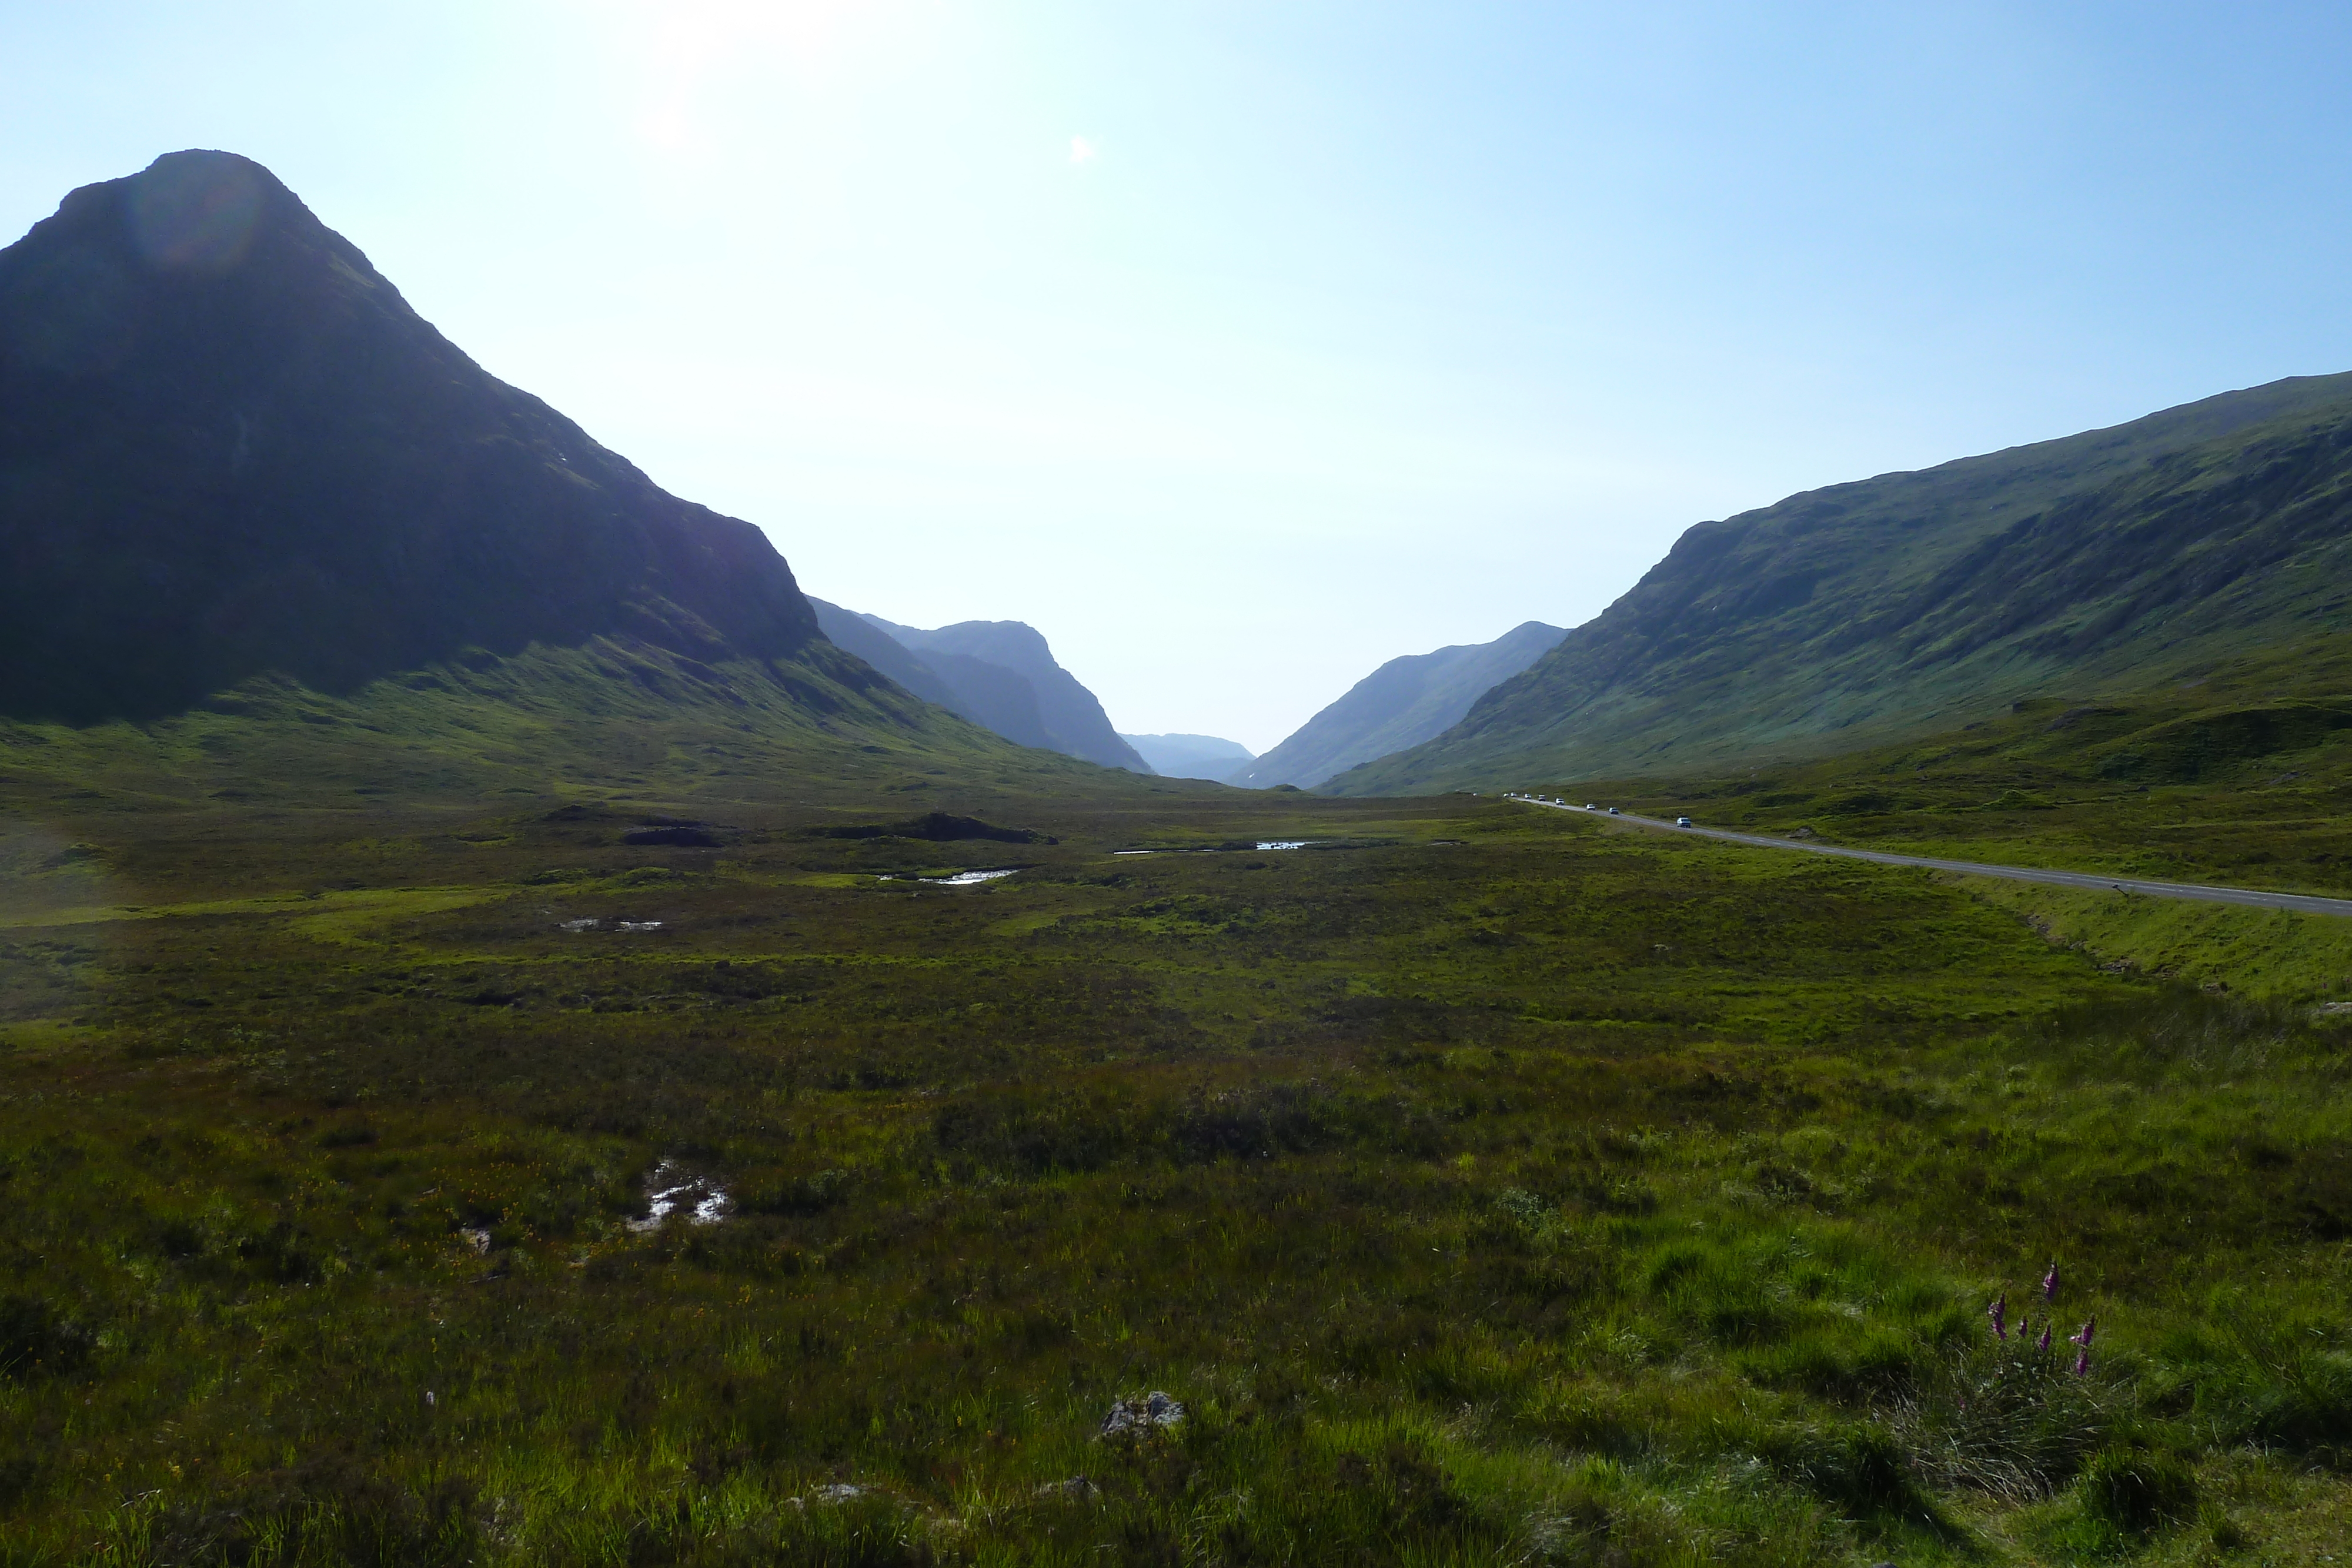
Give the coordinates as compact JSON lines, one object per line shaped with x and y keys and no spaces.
{"x":2083,"y":1361}
{"x":2050,"y":1284}
{"x":2043,"y":1344}
{"x":1998,"y":1312}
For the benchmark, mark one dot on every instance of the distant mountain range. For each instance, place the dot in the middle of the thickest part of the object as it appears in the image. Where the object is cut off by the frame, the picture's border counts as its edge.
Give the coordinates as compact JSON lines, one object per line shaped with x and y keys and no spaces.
{"x":1191,"y":755}
{"x":238,"y":474}
{"x":1403,"y":702}
{"x":2118,"y":559}
{"x":998,"y":674}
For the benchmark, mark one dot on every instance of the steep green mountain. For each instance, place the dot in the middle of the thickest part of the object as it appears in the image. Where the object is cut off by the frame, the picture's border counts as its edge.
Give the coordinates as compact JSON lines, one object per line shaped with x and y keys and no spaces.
{"x":1191,"y":756}
{"x":972,"y":658}
{"x":1849,"y":616}
{"x":264,"y":532}
{"x":1403,"y":702}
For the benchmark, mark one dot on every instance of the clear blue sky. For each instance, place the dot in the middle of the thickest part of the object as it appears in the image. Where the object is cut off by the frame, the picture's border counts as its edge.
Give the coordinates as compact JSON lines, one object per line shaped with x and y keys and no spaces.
{"x":1240,"y":346}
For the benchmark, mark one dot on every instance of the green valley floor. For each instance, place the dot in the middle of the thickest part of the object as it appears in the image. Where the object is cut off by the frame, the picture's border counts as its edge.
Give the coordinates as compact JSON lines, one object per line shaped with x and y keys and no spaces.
{"x":473,"y":1185}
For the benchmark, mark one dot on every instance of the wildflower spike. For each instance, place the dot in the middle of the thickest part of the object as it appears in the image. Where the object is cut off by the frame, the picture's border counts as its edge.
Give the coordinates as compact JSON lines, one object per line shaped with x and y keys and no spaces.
{"x":2050,"y":1282}
{"x":1998,"y":1312}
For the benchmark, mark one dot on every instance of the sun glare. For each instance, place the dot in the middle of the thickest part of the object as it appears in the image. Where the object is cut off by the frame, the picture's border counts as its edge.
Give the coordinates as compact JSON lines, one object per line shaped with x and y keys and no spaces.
{"x":701,"y":30}
{"x":684,"y":50}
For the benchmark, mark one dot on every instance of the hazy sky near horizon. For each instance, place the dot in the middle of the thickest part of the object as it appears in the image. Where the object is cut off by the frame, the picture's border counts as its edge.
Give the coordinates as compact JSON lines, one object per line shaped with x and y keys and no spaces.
{"x":1242,"y":347}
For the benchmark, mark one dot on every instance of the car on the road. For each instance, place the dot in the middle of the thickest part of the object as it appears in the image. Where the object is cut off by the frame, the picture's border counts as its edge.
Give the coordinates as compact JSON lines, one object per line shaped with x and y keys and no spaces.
{"x":1616,"y":813}
{"x":1681,"y":821}
{"x":1588,"y":805}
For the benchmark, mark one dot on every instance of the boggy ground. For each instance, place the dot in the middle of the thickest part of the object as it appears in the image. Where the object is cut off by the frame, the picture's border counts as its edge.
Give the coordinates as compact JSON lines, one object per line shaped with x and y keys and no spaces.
{"x":1484,"y":1185}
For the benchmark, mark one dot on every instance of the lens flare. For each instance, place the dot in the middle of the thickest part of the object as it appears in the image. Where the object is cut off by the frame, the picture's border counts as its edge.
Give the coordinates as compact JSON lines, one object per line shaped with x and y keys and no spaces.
{"x":194,"y":212}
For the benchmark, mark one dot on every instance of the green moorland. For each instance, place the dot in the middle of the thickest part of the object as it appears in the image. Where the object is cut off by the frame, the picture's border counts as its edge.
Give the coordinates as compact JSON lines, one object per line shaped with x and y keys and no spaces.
{"x":1484,"y":1186}
{"x":2238,"y":772}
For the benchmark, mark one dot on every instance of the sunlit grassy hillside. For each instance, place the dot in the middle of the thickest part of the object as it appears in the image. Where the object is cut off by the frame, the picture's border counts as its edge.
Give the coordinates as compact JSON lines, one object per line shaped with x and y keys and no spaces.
{"x":613,"y":719}
{"x":2240,"y":773}
{"x":1894,"y":607}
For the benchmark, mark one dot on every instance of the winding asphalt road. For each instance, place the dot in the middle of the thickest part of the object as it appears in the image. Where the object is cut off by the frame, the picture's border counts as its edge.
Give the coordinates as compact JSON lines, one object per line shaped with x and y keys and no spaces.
{"x":2300,"y":902}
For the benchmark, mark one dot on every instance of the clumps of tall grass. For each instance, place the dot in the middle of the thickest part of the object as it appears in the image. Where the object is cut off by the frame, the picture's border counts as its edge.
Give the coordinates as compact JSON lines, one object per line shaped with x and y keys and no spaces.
{"x":2249,"y":1371}
{"x":2016,"y":1413}
{"x":2131,"y":1491}
{"x":2182,"y":1032}
{"x":1046,"y":1132}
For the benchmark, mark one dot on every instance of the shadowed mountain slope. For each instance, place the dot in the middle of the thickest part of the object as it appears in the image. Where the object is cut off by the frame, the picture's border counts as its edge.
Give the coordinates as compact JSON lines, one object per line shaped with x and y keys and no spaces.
{"x":1191,"y":756}
{"x":253,"y":505}
{"x":228,"y":447}
{"x":2113,"y":559}
{"x":1072,"y":720}
{"x":988,"y":694}
{"x":1403,"y":702}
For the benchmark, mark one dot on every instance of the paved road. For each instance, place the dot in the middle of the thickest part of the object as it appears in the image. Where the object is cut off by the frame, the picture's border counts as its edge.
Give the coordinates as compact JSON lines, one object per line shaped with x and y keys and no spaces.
{"x":2300,"y":902}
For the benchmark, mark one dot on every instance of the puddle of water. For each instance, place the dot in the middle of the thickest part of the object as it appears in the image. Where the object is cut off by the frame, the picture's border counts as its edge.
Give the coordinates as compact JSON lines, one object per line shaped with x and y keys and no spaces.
{"x":669,"y":1190}
{"x":641,"y":924}
{"x":960,"y":878}
{"x":1229,"y":848}
{"x":576,"y":926}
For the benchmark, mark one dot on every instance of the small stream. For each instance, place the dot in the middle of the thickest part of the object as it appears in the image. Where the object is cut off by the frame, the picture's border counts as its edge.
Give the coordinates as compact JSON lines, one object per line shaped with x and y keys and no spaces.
{"x":669,"y":1190}
{"x":1249,"y":848}
{"x":960,"y":878}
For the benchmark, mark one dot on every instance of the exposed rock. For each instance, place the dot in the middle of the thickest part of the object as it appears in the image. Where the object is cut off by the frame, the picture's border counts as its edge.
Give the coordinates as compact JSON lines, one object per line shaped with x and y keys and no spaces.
{"x":1154,"y":1412}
